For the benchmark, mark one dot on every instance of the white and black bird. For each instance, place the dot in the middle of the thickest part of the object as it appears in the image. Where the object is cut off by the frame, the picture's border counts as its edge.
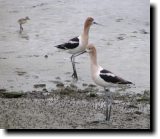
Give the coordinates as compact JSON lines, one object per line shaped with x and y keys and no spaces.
{"x":103,"y":78}
{"x":76,"y":46}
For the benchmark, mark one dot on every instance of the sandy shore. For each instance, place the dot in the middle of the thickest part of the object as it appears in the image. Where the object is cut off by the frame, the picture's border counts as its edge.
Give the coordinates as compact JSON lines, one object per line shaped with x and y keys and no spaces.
{"x":72,"y":108}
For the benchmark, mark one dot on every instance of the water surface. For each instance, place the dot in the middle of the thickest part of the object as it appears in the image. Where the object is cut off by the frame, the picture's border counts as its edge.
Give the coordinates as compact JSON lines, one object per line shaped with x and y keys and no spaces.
{"x":123,"y":43}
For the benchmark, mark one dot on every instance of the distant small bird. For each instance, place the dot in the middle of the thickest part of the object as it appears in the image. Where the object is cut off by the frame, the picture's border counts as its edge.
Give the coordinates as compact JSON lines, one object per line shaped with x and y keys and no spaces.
{"x":77,"y":45}
{"x":23,"y":21}
{"x":103,"y":77}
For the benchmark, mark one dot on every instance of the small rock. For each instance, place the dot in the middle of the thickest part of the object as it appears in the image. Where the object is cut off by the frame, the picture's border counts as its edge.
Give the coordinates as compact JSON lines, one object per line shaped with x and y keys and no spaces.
{"x":132,"y":106}
{"x":58,"y":78}
{"x":60,"y":84}
{"x":143,"y":31}
{"x":73,"y":86}
{"x":138,"y":112}
{"x":129,"y":119}
{"x":45,"y":90}
{"x":3,"y":58}
{"x":120,"y":38}
{"x":46,"y":56}
{"x":92,"y":95}
{"x":3,"y":90}
{"x":84,"y":84}
{"x":119,"y":20}
{"x":91,"y":85}
{"x":39,"y":85}
{"x":20,"y":73}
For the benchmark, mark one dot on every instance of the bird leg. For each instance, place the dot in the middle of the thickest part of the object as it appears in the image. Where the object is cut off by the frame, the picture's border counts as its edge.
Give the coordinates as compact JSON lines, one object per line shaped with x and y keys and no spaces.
{"x":21,"y":28}
{"x":108,"y":104}
{"x":74,"y":75}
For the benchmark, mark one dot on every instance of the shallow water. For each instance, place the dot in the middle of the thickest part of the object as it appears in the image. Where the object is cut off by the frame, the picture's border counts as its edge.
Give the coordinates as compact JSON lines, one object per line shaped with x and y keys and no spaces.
{"x":123,"y":43}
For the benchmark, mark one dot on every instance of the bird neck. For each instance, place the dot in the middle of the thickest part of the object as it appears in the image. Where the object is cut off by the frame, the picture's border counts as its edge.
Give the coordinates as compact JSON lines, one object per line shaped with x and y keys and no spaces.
{"x":93,"y":57}
{"x":86,"y":29}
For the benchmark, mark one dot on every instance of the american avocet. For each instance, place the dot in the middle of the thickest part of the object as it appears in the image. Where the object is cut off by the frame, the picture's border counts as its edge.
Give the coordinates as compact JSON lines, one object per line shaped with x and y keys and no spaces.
{"x":23,"y":21}
{"x":76,"y":46}
{"x":103,"y":77}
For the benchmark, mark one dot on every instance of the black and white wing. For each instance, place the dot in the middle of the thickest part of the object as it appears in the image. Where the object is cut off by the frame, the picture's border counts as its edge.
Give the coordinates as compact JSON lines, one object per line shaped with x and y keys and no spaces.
{"x":112,"y":78}
{"x":71,"y":44}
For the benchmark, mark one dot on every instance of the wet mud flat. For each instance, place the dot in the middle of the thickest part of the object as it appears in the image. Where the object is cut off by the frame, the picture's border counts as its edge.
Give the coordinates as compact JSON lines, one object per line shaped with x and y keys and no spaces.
{"x":68,"y":107}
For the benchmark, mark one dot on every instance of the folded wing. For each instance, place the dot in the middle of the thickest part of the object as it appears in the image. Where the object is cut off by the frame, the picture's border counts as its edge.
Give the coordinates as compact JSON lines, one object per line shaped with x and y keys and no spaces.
{"x":112,"y":78}
{"x":71,"y":44}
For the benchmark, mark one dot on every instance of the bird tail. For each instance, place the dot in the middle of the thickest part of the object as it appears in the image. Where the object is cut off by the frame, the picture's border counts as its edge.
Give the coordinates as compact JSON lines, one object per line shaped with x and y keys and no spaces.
{"x":128,"y":82}
{"x":125,"y":82}
{"x":61,"y":46}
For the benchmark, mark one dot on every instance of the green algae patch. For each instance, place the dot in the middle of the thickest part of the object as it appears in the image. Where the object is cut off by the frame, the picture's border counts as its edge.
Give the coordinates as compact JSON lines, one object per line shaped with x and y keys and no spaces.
{"x":12,"y":94}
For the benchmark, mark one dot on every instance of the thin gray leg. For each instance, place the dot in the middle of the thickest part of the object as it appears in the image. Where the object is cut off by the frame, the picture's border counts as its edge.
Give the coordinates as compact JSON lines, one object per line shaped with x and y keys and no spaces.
{"x":108,"y":104}
{"x":21,"y":28}
{"x":74,"y":75}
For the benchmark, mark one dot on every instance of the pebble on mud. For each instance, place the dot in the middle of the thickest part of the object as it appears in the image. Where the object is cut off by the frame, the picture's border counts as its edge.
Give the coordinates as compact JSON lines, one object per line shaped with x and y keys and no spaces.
{"x":91,"y":85}
{"x":3,"y":58}
{"x":119,"y":19}
{"x":138,"y":112}
{"x":39,"y":85}
{"x":84,"y":84}
{"x":120,"y":38}
{"x":45,"y":90}
{"x":58,"y":78}
{"x":46,"y":56}
{"x":3,"y":90}
{"x":73,"y":86}
{"x":143,"y":31}
{"x":132,"y":106}
{"x":60,"y":84}
{"x":92,"y":94}
{"x":21,"y":73}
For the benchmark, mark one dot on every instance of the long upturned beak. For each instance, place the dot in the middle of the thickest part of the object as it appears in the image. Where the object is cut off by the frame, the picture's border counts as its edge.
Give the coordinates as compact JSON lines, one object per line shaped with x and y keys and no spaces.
{"x":97,"y":24}
{"x":84,"y":52}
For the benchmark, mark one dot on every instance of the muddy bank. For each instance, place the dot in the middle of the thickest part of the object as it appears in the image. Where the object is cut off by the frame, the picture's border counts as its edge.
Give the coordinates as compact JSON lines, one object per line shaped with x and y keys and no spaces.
{"x":72,"y":108}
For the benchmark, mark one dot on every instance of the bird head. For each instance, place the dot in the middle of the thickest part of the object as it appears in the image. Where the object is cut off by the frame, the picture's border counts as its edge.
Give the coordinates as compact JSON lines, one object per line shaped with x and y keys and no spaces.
{"x":27,"y":18}
{"x":91,"y":48}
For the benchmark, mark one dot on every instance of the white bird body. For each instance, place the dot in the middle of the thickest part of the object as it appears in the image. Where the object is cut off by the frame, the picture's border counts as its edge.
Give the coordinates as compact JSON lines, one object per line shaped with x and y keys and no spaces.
{"x":80,"y":48}
{"x":95,"y":72}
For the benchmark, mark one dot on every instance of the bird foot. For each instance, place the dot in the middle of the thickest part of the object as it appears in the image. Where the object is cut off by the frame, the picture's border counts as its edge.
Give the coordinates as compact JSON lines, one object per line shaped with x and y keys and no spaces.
{"x":74,"y":76}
